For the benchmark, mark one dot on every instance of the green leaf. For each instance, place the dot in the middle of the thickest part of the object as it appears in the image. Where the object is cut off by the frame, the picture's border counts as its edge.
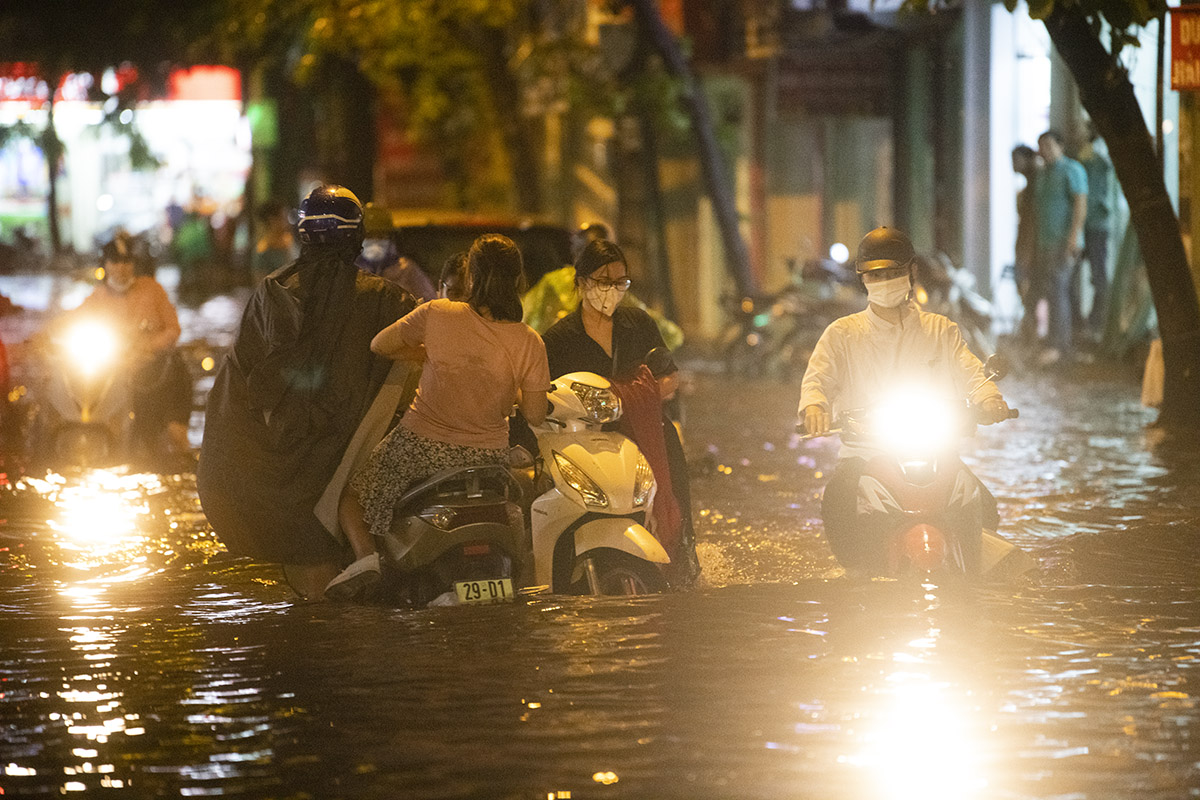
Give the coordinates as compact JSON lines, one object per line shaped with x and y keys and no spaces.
{"x":1040,"y":9}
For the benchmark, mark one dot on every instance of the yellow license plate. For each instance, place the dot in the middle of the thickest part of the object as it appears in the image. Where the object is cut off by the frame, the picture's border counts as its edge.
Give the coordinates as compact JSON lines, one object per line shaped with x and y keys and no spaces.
{"x":493,"y":590}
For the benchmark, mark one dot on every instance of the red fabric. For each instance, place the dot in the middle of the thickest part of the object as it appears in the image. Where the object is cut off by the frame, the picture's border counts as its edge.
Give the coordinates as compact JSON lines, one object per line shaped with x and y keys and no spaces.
{"x":642,"y":421}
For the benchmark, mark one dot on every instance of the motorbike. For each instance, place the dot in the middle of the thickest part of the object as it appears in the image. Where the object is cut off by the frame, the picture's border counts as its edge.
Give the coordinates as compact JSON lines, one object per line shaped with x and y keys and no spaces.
{"x":907,"y":491}
{"x":773,"y":335}
{"x":458,"y":537}
{"x":86,"y":401}
{"x":947,"y":289}
{"x":82,"y":412}
{"x":595,"y":494}
{"x":572,"y":521}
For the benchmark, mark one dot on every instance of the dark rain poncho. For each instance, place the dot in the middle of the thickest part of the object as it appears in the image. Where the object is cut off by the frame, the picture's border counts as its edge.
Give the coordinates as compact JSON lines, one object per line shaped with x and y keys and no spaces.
{"x":287,"y":400}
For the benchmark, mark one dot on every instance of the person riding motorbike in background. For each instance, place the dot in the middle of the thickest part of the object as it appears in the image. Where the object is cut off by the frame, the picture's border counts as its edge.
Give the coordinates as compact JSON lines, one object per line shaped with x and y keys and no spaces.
{"x":455,"y":281}
{"x":479,"y":358}
{"x":299,"y":396}
{"x":612,"y":340}
{"x":138,"y":307}
{"x":554,"y":295}
{"x":862,"y":356}
{"x":380,"y":257}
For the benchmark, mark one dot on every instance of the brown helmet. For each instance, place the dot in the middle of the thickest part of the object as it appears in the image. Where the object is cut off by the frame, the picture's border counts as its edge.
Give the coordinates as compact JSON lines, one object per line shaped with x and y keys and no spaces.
{"x":884,"y":248}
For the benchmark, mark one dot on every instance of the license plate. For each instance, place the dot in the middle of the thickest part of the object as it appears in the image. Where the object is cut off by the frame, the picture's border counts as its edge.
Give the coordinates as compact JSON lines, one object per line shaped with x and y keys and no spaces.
{"x":493,"y":590}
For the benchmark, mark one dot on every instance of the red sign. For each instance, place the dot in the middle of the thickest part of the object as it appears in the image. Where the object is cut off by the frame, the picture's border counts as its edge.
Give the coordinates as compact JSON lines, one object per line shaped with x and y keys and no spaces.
{"x":1185,"y":49}
{"x":205,"y":83}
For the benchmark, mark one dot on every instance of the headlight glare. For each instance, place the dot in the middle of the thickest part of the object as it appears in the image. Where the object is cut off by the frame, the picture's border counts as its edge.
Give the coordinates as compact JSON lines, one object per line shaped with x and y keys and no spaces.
{"x":577,"y":479}
{"x":90,"y":346}
{"x":915,"y":424}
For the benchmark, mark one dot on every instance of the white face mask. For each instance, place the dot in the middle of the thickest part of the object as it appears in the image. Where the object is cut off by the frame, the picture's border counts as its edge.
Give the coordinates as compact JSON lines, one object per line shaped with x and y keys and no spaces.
{"x":889,"y":293}
{"x":120,"y":286}
{"x":604,"y":299}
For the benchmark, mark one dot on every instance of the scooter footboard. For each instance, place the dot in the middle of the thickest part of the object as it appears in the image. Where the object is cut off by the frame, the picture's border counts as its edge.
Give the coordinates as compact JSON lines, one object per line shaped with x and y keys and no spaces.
{"x":620,"y":533}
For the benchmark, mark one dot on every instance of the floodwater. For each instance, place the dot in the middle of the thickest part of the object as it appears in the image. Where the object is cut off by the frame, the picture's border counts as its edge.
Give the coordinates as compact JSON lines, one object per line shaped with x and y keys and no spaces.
{"x":139,"y":658}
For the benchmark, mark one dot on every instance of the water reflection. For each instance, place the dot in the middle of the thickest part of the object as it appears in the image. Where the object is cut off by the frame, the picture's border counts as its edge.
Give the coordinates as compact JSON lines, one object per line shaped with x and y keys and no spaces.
{"x":139,"y":656}
{"x":919,"y":747}
{"x":920,"y":741}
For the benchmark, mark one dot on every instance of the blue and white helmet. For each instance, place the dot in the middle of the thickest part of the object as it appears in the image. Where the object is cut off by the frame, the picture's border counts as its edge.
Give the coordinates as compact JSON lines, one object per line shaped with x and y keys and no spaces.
{"x":330,"y":214}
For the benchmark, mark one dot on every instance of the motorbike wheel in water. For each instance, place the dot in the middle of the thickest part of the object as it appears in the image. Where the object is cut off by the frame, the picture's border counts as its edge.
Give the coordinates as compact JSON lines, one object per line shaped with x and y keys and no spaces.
{"x":613,"y":573}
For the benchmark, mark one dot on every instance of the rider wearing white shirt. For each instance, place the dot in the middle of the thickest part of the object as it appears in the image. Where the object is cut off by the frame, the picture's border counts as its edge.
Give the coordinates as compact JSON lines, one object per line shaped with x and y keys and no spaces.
{"x":861,"y":356}
{"x":864,"y":356}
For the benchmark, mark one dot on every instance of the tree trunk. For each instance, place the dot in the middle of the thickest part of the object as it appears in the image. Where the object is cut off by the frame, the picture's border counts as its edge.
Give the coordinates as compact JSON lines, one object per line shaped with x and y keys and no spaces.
{"x":52,"y":151}
{"x":526,"y":174}
{"x":712,"y":163}
{"x":656,"y":226}
{"x":1107,"y":95}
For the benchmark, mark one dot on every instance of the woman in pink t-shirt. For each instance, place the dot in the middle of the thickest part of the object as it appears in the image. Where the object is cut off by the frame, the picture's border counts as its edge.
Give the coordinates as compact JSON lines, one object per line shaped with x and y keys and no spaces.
{"x":478,"y":359}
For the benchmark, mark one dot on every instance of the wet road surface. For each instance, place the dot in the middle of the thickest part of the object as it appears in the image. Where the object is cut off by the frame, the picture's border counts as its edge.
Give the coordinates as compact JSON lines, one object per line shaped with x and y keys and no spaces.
{"x":138,"y":658}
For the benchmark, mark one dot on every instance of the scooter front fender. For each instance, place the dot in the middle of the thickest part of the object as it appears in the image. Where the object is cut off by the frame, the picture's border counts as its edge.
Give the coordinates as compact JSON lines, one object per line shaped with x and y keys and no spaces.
{"x":620,"y":533}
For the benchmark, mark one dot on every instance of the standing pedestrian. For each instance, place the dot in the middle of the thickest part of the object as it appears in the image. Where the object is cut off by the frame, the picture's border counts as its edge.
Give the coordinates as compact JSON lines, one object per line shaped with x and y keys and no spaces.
{"x":1097,"y":229}
{"x":1060,"y":203}
{"x":1025,"y":163}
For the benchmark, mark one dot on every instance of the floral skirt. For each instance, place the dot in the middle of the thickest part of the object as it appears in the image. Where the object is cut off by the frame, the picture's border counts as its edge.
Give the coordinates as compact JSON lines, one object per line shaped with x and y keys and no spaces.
{"x":402,"y":460}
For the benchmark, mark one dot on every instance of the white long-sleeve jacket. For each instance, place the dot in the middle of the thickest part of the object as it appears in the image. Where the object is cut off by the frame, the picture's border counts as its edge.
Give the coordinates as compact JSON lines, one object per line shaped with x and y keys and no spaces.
{"x":862,"y":357}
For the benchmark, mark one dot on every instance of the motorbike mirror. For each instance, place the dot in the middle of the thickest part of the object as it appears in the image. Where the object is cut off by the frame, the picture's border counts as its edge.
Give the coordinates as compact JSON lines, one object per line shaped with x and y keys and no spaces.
{"x":997,"y":366}
{"x":660,"y":362}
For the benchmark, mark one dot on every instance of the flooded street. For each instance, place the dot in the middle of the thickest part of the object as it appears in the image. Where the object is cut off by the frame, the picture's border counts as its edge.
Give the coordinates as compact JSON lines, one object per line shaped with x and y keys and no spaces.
{"x":138,"y":657}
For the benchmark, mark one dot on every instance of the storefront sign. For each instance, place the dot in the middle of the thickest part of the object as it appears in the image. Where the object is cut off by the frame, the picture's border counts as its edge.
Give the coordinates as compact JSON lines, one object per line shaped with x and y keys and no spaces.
{"x":1185,"y":49}
{"x":20,"y":81}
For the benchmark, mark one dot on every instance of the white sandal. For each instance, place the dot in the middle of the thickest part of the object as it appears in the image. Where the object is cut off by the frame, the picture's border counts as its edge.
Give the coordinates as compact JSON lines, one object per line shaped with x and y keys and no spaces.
{"x":354,"y":579}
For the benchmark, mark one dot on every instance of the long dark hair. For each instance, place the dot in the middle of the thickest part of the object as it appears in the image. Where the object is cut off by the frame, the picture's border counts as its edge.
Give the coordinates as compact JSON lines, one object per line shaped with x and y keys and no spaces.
{"x":497,"y":277}
{"x":597,"y":254}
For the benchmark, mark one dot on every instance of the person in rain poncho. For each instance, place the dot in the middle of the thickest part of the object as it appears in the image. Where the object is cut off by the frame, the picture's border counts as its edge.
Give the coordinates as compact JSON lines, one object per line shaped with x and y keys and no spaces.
{"x":299,"y":397}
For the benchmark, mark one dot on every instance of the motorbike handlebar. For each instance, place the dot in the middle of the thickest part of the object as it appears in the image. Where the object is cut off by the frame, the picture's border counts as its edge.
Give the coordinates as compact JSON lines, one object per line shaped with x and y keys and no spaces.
{"x":804,"y":434}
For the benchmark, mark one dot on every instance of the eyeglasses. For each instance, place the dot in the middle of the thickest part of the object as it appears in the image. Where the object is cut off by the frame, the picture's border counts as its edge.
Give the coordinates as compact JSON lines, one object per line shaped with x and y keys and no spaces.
{"x":619,"y":283}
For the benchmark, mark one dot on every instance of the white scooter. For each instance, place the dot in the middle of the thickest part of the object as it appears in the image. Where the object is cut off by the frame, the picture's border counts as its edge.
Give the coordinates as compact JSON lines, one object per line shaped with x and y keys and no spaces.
{"x":597,"y":490}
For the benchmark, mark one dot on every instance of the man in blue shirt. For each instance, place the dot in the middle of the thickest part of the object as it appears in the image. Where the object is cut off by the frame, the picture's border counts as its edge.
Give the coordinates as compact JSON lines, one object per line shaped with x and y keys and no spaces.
{"x":1097,"y":228}
{"x":1060,"y":198}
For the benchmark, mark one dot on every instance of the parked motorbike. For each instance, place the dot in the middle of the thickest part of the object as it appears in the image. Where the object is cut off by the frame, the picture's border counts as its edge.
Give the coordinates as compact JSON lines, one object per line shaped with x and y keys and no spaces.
{"x":773,"y":335}
{"x":595,"y":495}
{"x":458,"y":537}
{"x":907,"y":495}
{"x":946,"y":289}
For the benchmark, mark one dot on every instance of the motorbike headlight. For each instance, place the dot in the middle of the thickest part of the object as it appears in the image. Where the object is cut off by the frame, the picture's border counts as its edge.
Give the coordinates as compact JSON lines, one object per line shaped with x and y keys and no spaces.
{"x":913,"y":423}
{"x":643,"y":482}
{"x":577,"y":479}
{"x":91,"y":346}
{"x":601,"y":405}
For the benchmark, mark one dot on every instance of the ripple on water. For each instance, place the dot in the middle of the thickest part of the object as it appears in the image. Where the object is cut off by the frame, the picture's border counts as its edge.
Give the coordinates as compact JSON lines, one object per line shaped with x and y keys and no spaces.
{"x":153,"y":662}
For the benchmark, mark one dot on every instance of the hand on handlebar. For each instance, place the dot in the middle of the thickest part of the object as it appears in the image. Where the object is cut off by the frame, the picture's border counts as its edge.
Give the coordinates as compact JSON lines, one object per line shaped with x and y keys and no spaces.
{"x":816,"y":420}
{"x":994,"y":410}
